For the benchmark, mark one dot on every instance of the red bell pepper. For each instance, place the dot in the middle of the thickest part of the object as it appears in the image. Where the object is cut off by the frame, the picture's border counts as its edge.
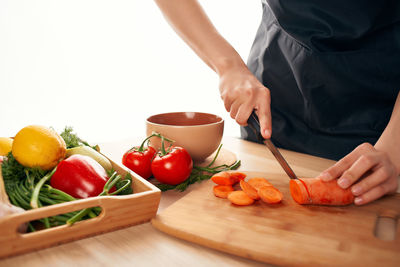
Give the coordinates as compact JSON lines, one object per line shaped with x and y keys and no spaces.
{"x":80,"y":176}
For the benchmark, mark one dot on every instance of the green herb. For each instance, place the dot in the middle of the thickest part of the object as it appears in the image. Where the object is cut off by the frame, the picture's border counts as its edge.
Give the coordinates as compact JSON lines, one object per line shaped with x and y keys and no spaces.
{"x":19,"y":180}
{"x":128,"y":190}
{"x":72,"y":140}
{"x":200,"y":174}
{"x":12,"y":172}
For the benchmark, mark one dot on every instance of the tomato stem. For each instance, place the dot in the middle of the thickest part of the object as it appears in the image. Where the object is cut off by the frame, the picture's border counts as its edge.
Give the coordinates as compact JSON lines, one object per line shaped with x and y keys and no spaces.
{"x":141,"y":148}
{"x":153,"y":134}
{"x":163,"y":152}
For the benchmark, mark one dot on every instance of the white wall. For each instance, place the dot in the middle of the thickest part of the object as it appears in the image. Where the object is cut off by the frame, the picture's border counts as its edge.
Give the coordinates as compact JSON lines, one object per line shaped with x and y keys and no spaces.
{"x":102,"y":67}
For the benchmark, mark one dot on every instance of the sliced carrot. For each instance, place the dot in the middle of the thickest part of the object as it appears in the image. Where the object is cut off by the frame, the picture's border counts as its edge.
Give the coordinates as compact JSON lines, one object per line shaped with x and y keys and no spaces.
{"x":258,"y":182}
{"x":228,"y":178}
{"x":237,"y":176}
{"x":316,"y":191}
{"x":222,"y":191}
{"x":240,"y":198}
{"x":222,"y":178}
{"x":299,"y":192}
{"x":249,"y":190}
{"x":270,"y":194}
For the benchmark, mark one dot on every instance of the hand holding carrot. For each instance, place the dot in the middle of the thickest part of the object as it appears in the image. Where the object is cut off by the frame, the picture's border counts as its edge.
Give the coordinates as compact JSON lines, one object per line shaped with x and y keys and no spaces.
{"x":368,"y":172}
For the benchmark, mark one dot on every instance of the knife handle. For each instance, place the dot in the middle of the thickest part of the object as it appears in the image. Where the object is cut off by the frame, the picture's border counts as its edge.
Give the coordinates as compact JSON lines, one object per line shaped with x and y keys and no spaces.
{"x":254,"y":125}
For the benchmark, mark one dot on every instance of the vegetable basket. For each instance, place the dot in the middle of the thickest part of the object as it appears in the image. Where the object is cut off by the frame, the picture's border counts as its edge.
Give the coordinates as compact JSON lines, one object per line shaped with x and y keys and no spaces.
{"x":117,"y":212}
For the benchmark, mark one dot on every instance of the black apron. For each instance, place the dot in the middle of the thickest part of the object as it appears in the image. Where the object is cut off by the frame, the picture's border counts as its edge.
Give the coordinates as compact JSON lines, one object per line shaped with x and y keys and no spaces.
{"x":333,"y":69}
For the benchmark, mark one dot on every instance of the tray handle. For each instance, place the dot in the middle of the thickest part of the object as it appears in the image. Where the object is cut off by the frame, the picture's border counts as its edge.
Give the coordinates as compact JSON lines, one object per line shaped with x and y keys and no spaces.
{"x":9,"y":224}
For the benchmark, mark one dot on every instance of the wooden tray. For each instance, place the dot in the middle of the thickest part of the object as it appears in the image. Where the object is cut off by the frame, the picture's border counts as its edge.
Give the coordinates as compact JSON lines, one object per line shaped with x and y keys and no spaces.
{"x":117,"y":212}
{"x":285,"y":233}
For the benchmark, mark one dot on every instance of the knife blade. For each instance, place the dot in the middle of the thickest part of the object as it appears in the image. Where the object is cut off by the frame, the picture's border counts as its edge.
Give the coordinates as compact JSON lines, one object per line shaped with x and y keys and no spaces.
{"x":254,"y":124}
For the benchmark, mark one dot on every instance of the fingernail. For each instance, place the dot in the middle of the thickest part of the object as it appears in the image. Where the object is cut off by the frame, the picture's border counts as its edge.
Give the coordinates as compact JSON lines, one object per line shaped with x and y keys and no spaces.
{"x":325,"y":176}
{"x":358,"y":200}
{"x":343,"y":183}
{"x":356,"y":190}
{"x":267,"y":133}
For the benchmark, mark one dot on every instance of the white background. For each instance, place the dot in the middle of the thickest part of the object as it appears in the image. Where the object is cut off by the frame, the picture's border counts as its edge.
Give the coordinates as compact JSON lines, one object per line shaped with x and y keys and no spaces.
{"x":103,"y":67}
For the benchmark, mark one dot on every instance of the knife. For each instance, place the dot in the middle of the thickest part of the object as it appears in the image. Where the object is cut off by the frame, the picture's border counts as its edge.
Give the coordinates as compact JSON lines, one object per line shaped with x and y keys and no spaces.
{"x":254,"y":125}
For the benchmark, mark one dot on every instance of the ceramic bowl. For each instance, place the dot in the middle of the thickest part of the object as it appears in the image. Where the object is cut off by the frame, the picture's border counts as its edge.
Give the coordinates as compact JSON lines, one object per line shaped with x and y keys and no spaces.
{"x":199,"y":133}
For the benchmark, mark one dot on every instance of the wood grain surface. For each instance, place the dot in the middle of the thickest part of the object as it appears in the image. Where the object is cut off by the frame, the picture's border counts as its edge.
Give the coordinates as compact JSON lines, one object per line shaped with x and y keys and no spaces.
{"x":285,"y":233}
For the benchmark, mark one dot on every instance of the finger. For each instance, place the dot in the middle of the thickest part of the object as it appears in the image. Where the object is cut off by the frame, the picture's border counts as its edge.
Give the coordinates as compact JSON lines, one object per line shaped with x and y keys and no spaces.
{"x":227,"y":103}
{"x":382,"y":174}
{"x":376,"y":192}
{"x":264,"y":115}
{"x":360,"y":167}
{"x":343,"y":164}
{"x":234,"y":109}
{"x":228,"y":97}
{"x":377,"y":177}
{"x":243,"y":114}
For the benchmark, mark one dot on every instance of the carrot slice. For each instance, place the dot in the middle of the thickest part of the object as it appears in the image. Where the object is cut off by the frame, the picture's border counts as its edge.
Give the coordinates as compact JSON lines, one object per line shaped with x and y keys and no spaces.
{"x":240,"y":198}
{"x":316,"y":191}
{"x":237,"y":176}
{"x":270,"y":194}
{"x":228,"y":178}
{"x":222,"y":178}
{"x":258,"y":182}
{"x":299,"y":192}
{"x":222,"y":191}
{"x":249,"y":190}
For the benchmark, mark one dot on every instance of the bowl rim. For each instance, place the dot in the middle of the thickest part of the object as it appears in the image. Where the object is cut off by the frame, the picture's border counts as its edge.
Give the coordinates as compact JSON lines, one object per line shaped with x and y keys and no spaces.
{"x":221,"y":120}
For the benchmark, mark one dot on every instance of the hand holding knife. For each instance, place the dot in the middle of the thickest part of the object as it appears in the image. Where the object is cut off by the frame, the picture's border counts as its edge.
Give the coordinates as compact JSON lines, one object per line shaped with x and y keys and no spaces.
{"x":254,"y":124}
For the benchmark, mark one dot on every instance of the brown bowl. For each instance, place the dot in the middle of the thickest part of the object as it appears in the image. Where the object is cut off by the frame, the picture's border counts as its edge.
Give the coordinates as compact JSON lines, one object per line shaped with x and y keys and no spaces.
{"x":199,"y":133}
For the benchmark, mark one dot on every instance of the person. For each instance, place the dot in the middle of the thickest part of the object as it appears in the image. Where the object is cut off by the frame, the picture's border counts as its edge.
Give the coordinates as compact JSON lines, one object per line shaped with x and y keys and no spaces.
{"x":323,"y":78}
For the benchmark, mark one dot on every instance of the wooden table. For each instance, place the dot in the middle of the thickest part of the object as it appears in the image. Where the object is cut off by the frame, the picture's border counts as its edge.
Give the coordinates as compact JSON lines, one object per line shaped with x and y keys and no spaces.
{"x":142,"y":245}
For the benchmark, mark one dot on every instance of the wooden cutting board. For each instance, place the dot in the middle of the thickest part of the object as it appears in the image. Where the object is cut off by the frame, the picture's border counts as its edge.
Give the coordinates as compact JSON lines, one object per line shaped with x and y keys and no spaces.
{"x":285,"y":233}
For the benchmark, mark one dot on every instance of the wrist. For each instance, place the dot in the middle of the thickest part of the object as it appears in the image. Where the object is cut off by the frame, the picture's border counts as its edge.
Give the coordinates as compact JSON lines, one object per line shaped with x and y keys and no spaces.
{"x":391,"y":149}
{"x":224,"y":65}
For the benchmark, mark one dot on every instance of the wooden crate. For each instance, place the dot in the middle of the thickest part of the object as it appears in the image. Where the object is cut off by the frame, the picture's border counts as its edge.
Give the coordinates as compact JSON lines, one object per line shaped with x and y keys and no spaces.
{"x":117,"y":212}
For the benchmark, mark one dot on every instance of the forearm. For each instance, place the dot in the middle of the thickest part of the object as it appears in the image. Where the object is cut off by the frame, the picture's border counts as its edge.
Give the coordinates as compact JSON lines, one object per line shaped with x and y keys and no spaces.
{"x":191,"y":23}
{"x":390,"y":138}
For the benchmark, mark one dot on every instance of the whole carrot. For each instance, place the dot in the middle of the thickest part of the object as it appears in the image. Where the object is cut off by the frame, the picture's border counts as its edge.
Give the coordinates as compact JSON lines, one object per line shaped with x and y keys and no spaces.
{"x":316,"y":191}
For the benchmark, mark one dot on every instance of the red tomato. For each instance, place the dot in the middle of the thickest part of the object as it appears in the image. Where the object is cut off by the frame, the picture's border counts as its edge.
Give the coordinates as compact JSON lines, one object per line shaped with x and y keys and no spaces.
{"x":80,"y":176}
{"x":172,"y":168}
{"x":139,"y":161}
